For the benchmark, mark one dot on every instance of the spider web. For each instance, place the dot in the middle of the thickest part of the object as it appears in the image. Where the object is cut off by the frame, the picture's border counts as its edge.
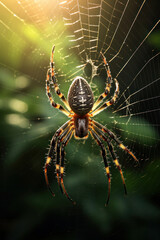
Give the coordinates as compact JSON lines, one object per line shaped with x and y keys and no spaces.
{"x":116,"y":28}
{"x":81,"y":30}
{"x":113,"y":28}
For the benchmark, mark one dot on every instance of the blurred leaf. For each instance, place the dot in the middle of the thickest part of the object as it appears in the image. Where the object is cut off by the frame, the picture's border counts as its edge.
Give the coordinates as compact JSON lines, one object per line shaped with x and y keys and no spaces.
{"x":154,"y":39}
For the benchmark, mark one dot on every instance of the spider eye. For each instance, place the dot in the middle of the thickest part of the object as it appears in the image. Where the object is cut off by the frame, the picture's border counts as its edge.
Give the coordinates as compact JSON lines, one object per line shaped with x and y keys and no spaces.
{"x":88,"y":69}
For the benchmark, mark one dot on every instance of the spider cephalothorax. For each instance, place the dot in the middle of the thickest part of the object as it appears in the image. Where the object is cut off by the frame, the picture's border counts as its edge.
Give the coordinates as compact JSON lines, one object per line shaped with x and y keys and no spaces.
{"x":81,"y":108}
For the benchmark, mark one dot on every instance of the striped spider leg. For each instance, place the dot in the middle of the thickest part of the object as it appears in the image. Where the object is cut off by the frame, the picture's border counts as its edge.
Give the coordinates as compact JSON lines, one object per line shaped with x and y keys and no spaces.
{"x":51,"y":78}
{"x":56,"y":151}
{"x":108,"y":84}
{"x":107,"y":103}
{"x":97,"y":138}
{"x":113,"y":136}
{"x":51,"y":153}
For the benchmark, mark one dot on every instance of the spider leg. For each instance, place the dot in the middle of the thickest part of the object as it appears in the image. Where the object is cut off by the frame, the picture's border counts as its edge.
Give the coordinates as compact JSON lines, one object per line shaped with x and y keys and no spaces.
{"x":108,"y":84}
{"x":58,"y":162}
{"x":113,"y":136}
{"x":108,"y":103}
{"x":56,"y":87}
{"x":51,"y":153}
{"x":95,"y":135}
{"x":112,"y":153}
{"x":58,"y":151}
{"x":53,"y":104}
{"x":64,"y":143}
{"x":115,"y":160}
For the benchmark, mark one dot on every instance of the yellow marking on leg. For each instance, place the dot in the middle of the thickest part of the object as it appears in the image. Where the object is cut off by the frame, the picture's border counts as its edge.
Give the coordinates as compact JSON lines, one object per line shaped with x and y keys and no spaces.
{"x":108,"y":174}
{"x":56,"y":88}
{"x":122,"y":177}
{"x":46,"y":177}
{"x":45,"y":169}
{"x":57,"y":166}
{"x":107,"y":170}
{"x":108,"y":88}
{"x":109,"y":184}
{"x":48,"y":160}
{"x":103,"y":95}
{"x":62,"y":170}
{"x":127,"y":150}
{"x":57,"y":173}
{"x":133,"y":156}
{"x":122,"y":146}
{"x":116,"y":162}
{"x":108,"y":104}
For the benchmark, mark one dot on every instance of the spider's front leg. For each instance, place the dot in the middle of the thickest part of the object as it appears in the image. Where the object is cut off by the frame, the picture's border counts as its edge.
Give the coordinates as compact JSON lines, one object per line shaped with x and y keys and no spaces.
{"x":108,"y":84}
{"x":53,"y":104}
{"x":52,"y":79}
{"x":56,"y":87}
{"x":108,"y":103}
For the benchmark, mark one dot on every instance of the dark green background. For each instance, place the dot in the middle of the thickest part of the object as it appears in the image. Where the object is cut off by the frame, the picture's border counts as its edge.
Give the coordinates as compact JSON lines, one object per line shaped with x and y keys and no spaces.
{"x":28,"y":211}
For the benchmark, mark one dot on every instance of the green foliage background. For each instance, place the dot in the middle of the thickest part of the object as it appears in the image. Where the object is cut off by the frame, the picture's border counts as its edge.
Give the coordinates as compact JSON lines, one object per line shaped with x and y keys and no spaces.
{"x":27,"y":123}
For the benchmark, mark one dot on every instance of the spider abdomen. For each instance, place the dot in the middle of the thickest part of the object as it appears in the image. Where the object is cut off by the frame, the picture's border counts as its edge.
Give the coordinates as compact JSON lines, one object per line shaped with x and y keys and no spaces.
{"x":81,"y":126}
{"x":80,"y":96}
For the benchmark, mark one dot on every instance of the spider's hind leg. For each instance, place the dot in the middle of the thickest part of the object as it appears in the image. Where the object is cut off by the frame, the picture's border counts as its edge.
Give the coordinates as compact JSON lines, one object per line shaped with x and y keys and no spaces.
{"x":113,"y":136}
{"x":99,"y":142}
{"x":112,"y":153}
{"x":51,"y":153}
{"x":64,"y":143}
{"x":58,"y":153}
{"x":116,"y":162}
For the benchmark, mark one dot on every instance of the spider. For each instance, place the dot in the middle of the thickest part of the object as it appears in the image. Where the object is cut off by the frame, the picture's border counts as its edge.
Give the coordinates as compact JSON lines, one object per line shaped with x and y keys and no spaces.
{"x":81,"y":108}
